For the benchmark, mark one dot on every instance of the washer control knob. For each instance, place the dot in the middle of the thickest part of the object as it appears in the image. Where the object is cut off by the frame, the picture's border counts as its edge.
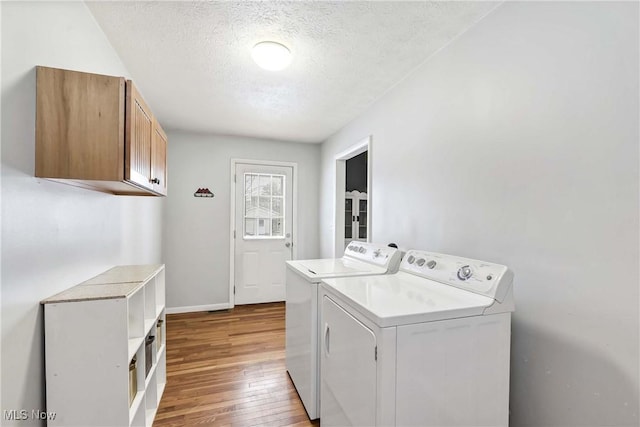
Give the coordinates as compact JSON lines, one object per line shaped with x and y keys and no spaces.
{"x":464,"y":272}
{"x":420,"y":262}
{"x":362,"y":250}
{"x":411,"y":259}
{"x":431,"y":264}
{"x":377,"y":253}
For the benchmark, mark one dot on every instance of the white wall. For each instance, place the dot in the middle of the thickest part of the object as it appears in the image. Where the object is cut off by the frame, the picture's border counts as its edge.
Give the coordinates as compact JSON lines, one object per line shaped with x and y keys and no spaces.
{"x":518,"y":144}
{"x":196,"y":230}
{"x":53,"y":235}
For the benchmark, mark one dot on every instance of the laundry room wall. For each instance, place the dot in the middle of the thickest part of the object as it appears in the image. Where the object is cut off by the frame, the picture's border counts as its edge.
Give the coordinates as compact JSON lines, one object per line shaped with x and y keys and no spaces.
{"x":518,"y":143}
{"x":196,"y":230}
{"x":54,"y":236}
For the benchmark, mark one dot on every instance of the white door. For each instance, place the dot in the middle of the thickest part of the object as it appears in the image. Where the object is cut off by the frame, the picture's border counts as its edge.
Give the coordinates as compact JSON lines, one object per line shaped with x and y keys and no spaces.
{"x":263,"y":230}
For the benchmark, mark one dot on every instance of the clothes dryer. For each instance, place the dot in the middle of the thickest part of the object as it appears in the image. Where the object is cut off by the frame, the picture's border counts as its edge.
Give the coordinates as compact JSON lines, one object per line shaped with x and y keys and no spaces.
{"x":427,"y":346}
{"x":302,"y":336}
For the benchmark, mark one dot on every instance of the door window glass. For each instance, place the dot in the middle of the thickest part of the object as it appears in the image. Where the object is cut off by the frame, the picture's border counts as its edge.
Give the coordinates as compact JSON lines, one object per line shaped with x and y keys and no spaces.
{"x":264,"y":205}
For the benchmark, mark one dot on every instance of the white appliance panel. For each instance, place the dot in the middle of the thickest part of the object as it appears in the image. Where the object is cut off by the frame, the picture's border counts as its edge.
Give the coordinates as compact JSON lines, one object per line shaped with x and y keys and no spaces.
{"x":484,"y":278}
{"x":301,"y":331}
{"x":382,"y":256}
{"x":452,"y":372}
{"x":348,"y":366}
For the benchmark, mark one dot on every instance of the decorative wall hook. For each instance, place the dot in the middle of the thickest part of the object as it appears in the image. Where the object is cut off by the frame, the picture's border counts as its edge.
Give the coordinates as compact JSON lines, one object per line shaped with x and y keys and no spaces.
{"x":203,"y":192}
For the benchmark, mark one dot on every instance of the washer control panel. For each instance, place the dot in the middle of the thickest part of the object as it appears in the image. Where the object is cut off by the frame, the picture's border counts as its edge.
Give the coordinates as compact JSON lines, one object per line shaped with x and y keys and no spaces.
{"x":381,"y":255}
{"x":492,"y":280}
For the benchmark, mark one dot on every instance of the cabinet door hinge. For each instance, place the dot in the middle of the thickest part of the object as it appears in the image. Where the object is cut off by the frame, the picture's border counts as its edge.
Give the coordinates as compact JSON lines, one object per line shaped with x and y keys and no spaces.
{"x":234,"y":234}
{"x":375,"y":353}
{"x":234,"y":290}
{"x":234,"y":177}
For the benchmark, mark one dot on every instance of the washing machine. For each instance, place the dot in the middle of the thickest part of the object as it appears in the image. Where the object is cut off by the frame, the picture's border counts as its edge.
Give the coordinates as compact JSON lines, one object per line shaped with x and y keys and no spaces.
{"x":427,"y":346}
{"x":302,"y":326}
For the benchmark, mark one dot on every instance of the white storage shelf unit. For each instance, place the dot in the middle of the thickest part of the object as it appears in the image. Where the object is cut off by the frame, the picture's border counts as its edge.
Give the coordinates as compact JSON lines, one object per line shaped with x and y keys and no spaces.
{"x":92,"y":333}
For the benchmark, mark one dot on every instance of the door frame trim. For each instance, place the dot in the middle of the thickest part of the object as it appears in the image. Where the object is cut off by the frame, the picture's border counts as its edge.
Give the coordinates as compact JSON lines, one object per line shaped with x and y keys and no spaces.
{"x":341,"y":158}
{"x":232,"y":214}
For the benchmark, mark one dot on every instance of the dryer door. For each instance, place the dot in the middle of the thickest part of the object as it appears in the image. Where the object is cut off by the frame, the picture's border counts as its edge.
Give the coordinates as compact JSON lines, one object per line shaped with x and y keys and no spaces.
{"x":348,"y":391}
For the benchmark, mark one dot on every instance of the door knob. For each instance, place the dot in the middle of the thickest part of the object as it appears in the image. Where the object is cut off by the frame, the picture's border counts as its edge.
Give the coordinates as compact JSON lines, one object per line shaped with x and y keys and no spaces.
{"x":288,"y":244}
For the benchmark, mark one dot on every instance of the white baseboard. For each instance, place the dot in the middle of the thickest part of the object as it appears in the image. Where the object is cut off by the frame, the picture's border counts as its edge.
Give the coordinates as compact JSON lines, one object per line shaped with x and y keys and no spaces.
{"x":196,"y":308}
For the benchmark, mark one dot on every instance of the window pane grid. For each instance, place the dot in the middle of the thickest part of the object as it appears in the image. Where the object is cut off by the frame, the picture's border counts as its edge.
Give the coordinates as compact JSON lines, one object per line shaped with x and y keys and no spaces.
{"x":264,"y":205}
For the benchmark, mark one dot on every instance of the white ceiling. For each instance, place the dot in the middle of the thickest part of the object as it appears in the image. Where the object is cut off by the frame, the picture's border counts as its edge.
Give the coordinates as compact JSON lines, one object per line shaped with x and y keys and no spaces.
{"x":192,"y":60}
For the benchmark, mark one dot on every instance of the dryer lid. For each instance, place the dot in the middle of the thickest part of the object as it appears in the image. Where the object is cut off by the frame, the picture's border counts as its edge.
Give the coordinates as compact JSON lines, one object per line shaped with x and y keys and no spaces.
{"x":360,"y":258}
{"x":403,"y":298}
{"x":324,"y":268}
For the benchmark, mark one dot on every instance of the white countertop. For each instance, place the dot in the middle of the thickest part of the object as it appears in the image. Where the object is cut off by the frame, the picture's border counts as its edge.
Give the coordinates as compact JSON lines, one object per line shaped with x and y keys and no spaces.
{"x":124,"y":274}
{"x":118,"y":282}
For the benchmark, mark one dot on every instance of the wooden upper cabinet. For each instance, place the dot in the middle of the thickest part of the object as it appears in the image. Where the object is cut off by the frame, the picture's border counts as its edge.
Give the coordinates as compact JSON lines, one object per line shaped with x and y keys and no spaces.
{"x":97,"y":132}
{"x":159,"y":159}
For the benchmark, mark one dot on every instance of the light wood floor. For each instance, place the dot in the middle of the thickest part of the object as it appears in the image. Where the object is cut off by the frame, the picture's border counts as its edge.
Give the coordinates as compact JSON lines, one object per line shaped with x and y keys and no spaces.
{"x":227,"y":368}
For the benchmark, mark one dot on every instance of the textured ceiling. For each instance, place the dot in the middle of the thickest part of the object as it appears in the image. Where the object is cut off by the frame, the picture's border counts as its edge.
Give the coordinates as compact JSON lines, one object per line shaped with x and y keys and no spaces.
{"x":192,"y":60}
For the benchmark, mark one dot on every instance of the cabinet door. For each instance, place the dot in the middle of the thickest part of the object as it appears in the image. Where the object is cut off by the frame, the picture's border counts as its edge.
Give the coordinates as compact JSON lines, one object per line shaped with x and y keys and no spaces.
{"x":159,"y":159}
{"x":138,"y":139}
{"x":362,"y":219}
{"x":355,"y":220}
{"x":348,"y":217}
{"x":79,"y":125}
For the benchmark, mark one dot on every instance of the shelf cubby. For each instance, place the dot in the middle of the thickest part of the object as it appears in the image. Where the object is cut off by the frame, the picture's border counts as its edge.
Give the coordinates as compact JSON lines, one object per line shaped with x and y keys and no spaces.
{"x":151,"y":398}
{"x":161,"y":372}
{"x":135,"y":313}
{"x":138,"y":419}
{"x":138,"y":401}
{"x":161,"y":331}
{"x":150,"y":300}
{"x":160,"y":293}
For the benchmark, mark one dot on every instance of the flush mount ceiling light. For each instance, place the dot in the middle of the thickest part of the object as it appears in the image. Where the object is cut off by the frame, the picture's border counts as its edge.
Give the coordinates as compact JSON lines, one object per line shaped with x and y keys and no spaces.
{"x":271,"y":56}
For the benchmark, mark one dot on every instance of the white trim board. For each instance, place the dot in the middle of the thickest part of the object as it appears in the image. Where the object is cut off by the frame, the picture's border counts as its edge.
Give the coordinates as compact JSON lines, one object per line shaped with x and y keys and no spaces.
{"x":197,"y":308}
{"x":360,"y":147}
{"x":232,"y":214}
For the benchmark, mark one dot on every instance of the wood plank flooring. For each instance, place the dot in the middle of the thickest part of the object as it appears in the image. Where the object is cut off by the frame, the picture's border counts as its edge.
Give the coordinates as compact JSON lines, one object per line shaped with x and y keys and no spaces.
{"x":227,"y":368}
